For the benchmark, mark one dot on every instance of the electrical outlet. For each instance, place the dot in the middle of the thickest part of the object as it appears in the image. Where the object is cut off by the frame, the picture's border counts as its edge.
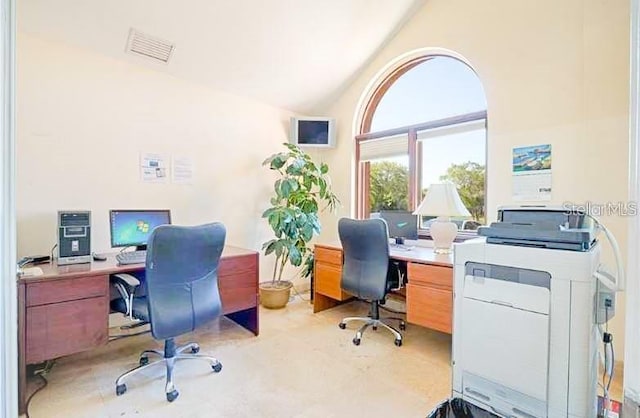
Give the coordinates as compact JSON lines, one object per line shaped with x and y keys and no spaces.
{"x":605,"y":306}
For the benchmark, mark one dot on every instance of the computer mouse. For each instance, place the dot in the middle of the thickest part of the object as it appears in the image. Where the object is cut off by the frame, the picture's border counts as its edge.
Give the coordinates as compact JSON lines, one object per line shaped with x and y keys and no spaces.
{"x":99,"y":257}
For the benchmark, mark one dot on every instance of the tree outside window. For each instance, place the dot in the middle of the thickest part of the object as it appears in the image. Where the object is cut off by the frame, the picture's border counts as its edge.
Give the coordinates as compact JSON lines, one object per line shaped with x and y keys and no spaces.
{"x":469,"y":179}
{"x":389,"y":187}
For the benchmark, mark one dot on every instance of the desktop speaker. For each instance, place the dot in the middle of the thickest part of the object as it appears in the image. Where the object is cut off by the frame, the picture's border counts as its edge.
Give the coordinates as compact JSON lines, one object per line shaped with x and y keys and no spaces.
{"x":74,"y":237}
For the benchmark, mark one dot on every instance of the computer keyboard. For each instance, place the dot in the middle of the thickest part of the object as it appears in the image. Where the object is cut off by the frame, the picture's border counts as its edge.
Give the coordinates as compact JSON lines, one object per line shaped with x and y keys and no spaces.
{"x":131,"y":257}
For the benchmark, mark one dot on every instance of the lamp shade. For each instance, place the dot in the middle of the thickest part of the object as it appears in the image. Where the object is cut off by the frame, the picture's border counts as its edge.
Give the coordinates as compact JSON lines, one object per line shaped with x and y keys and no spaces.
{"x":442,"y":199}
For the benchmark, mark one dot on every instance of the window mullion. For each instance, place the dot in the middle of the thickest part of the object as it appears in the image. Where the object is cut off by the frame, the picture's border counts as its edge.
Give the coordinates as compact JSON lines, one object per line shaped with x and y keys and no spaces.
{"x":413,"y":170}
{"x":366,"y":189}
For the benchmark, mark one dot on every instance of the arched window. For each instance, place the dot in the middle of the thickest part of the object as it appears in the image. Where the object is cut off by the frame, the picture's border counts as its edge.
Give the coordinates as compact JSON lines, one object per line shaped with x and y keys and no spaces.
{"x":424,"y":123}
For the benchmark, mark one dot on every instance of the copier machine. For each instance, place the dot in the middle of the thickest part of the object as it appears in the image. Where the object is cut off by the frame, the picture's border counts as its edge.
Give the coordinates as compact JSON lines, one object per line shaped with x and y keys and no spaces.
{"x":526,"y":314}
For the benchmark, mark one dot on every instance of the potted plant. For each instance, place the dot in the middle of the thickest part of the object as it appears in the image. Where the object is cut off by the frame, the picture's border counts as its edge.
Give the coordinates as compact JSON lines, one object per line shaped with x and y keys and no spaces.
{"x":301,"y":187}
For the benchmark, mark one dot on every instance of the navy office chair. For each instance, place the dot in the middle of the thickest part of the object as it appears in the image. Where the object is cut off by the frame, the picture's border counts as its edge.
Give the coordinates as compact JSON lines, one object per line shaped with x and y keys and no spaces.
{"x":365,"y":270}
{"x":181,"y":293}
{"x":130,"y":290}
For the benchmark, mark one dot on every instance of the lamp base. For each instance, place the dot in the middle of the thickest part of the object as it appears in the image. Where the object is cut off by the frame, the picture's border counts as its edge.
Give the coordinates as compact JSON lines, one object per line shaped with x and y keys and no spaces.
{"x":442,"y":250}
{"x":443,"y":233}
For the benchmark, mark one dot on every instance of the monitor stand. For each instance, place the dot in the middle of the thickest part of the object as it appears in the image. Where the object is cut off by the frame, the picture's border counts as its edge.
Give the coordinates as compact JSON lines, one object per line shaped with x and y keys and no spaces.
{"x":141,"y":247}
{"x":399,"y":240}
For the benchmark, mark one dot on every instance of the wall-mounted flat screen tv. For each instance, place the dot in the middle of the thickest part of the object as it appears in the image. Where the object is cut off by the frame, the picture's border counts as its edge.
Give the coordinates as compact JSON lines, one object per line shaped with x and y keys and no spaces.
{"x":313,"y":132}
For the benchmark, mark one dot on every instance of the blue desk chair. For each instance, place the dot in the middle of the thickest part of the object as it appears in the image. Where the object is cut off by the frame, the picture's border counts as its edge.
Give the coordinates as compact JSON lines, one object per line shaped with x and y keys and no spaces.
{"x":181,"y":294}
{"x":129,"y":288}
{"x":365,"y":271}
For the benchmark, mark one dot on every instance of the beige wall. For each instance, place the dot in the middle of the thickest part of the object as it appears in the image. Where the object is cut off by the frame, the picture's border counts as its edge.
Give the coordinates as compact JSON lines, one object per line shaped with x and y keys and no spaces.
{"x":83,"y":119}
{"x":553,"y":72}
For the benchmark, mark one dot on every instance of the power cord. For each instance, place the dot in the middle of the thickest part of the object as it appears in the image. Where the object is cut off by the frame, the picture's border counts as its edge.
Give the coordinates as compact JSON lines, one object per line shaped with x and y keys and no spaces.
{"x":40,"y":373}
{"x":398,"y":297}
{"x":609,"y":360}
{"x":53,"y":248}
{"x":602,"y":276}
{"x":604,"y":371}
{"x":299,"y":294}
{"x":614,"y":283}
{"x":119,"y":337}
{"x":391,"y":310}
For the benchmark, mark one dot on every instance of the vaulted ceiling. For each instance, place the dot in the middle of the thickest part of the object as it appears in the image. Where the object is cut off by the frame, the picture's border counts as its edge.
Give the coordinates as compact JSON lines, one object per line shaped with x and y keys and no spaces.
{"x":293,"y":54}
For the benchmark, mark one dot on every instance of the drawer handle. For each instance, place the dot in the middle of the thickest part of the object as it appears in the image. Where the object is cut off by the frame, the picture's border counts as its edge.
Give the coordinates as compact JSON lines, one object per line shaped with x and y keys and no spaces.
{"x":477,"y":394}
{"x":501,"y":303}
{"x":521,"y":413}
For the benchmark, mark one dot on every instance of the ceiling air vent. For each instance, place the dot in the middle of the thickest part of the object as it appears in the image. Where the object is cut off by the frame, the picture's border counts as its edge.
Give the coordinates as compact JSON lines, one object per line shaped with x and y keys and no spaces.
{"x":148,"y":46}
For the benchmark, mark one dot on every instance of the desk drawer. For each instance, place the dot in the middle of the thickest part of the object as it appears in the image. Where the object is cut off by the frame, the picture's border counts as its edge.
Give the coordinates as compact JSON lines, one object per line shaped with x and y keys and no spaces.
{"x":426,"y":274}
{"x":430,"y":307}
{"x":55,"y":291}
{"x":234,"y":265}
{"x":60,"y":329}
{"x":328,"y":256}
{"x":327,"y":281}
{"x":238,"y":291}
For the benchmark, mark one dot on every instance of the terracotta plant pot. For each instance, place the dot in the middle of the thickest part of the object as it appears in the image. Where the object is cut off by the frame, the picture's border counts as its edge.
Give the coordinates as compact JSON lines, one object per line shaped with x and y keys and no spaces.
{"x":275,"y":295}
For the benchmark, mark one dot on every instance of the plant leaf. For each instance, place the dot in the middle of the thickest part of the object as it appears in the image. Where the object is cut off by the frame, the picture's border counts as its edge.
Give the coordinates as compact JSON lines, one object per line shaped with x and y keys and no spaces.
{"x":279,"y":247}
{"x":277,"y":162}
{"x":269,"y":246}
{"x":293,"y":184}
{"x":268,"y":212}
{"x":307,"y":232}
{"x":294,"y":256}
{"x":285,"y":188}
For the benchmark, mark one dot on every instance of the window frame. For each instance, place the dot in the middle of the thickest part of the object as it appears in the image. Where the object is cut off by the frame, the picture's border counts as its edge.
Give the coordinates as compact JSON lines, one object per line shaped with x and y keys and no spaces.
{"x":363,"y":168}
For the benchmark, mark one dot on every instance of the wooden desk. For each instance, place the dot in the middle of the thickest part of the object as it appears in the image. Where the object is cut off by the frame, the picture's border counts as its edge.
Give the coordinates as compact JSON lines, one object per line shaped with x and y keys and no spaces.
{"x":429,"y":287}
{"x":66,"y":310}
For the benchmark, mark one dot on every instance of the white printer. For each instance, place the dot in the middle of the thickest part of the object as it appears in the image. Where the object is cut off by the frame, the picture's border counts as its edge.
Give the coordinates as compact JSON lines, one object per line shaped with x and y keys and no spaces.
{"x":525,"y":337}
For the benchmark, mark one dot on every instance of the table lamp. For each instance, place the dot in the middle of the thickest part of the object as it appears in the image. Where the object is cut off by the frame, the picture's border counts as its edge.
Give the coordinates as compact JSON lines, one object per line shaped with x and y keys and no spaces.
{"x":442,"y":200}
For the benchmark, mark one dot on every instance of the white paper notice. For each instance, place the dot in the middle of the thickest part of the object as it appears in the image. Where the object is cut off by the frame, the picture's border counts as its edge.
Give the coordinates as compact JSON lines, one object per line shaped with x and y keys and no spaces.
{"x":153,"y":168}
{"x":532,"y":173}
{"x":182,"y":170}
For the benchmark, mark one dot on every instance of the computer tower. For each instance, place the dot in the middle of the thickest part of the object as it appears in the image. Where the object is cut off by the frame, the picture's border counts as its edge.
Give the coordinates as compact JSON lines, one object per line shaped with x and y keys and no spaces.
{"x":74,"y":237}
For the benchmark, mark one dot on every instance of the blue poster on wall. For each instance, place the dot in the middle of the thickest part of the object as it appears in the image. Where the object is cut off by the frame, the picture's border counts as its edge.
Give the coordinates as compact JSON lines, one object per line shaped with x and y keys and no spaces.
{"x":531,"y":173}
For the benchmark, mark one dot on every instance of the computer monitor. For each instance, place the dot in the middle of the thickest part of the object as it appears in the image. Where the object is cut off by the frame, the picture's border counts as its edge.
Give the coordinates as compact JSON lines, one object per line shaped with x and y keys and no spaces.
{"x":133,"y":227}
{"x":402,"y":224}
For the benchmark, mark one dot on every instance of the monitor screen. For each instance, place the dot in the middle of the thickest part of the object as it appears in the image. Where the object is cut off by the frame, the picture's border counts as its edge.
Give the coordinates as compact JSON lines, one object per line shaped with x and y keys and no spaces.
{"x":133,"y":227}
{"x":400,"y":223}
{"x":313,"y":132}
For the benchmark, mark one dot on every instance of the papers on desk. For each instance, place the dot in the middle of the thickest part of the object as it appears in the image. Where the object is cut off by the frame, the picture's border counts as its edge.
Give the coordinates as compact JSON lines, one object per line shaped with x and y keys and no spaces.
{"x":31,"y":272}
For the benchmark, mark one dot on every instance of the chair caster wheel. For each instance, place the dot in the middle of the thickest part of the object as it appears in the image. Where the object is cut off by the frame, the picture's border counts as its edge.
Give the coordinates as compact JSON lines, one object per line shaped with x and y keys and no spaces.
{"x":144,"y":361}
{"x":403,"y":326}
{"x":398,"y":342}
{"x":120,"y":389}
{"x":217,"y":367}
{"x":195,"y":350}
{"x":342,"y":325}
{"x":356,"y":341}
{"x":374,"y":328}
{"x":171,"y":396}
